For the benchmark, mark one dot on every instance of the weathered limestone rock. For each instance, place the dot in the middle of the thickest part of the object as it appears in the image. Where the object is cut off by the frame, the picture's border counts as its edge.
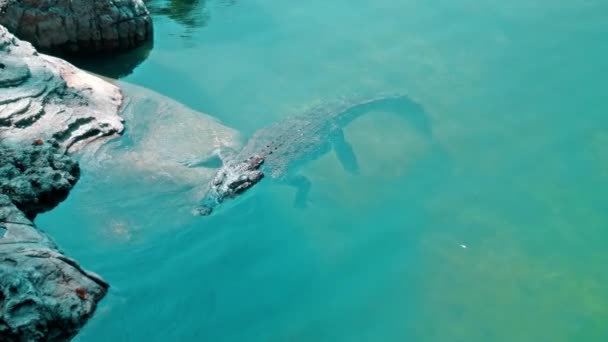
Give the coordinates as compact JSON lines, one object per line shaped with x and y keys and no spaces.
{"x":42,"y":97}
{"x":44,"y":295}
{"x":78,"y":25}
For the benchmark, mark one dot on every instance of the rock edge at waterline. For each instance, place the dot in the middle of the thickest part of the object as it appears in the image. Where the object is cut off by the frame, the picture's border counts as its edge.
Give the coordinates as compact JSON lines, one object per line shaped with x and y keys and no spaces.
{"x":48,"y":108}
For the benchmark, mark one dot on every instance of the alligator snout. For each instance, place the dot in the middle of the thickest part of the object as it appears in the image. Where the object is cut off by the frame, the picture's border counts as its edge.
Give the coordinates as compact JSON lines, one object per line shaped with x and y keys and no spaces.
{"x":230,"y":181}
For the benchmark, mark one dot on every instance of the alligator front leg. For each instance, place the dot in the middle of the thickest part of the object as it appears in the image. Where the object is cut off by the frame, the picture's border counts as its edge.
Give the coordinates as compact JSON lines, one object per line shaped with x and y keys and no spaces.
{"x":302,"y":185}
{"x":344,"y":150}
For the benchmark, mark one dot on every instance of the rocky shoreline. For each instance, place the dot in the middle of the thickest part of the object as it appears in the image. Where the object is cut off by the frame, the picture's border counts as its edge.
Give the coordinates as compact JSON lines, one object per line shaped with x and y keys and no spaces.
{"x":48,"y":109}
{"x":51,"y":110}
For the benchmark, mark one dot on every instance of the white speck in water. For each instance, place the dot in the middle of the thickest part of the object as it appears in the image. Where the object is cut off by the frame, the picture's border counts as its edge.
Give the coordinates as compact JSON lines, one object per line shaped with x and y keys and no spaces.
{"x":463,"y":246}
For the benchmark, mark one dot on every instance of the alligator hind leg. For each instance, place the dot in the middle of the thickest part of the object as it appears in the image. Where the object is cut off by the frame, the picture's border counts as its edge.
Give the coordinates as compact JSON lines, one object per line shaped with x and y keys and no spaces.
{"x":344,"y":151}
{"x":302,"y":185}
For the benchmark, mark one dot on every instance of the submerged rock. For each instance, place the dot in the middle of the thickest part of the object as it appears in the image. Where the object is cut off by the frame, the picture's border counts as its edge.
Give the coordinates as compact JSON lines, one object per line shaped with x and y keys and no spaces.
{"x":78,"y":26}
{"x":42,"y":97}
{"x":159,"y":168}
{"x":44,"y":295}
{"x":166,"y":141}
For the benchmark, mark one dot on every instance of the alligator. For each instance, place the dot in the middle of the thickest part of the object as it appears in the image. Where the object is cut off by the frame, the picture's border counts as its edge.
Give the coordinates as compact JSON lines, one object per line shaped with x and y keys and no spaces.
{"x":279,"y":150}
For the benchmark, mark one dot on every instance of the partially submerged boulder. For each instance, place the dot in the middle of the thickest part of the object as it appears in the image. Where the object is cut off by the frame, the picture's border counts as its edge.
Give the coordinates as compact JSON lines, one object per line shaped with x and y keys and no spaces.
{"x":167,"y":140}
{"x":42,"y":97}
{"x":167,"y":148}
{"x":44,"y":295}
{"x":78,"y":25}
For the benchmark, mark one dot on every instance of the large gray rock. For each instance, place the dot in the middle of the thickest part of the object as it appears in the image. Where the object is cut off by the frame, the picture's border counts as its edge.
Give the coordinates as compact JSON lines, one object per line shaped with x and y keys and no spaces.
{"x":78,"y":25}
{"x":43,"y":97}
{"x":44,"y":295}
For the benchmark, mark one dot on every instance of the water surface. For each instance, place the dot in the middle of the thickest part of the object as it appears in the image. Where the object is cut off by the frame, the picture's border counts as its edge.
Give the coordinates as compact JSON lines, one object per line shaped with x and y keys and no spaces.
{"x":498,"y":235}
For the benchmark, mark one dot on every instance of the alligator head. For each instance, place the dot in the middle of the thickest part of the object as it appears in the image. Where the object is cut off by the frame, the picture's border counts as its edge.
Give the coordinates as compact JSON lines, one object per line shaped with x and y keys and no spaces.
{"x":231,"y":180}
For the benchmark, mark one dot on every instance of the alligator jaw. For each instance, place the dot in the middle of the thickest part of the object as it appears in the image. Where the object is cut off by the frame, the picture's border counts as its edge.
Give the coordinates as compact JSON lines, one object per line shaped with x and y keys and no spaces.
{"x":230,"y":181}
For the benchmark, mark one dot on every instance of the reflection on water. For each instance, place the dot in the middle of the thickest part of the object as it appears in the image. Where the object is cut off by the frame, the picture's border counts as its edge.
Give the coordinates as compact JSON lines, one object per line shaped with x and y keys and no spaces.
{"x":190,"y":13}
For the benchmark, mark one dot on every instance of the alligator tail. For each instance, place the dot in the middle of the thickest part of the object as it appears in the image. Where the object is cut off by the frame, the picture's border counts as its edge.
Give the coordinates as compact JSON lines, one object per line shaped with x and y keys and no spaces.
{"x":394,"y":103}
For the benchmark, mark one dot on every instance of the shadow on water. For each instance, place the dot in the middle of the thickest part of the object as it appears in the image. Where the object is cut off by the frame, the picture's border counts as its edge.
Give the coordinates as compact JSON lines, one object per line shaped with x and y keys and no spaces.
{"x":191,"y":14}
{"x":114,"y":65}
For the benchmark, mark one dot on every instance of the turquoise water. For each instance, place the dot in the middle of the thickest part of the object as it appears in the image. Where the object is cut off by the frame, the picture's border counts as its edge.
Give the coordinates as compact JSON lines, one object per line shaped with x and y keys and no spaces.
{"x":498,"y":235}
